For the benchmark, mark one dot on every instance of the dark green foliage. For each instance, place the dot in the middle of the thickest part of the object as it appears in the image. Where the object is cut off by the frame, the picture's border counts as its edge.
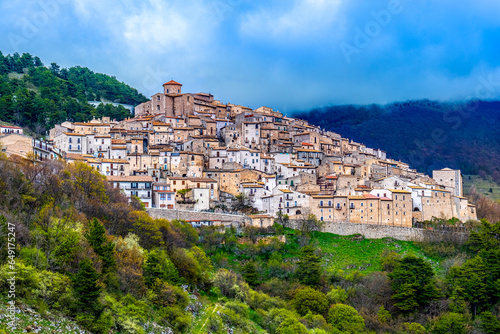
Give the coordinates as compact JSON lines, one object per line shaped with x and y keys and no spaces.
{"x":412,"y":282}
{"x":87,"y":290}
{"x":470,"y":281}
{"x":96,"y":237}
{"x":250,"y":274}
{"x":489,"y":323}
{"x":478,"y":279}
{"x":450,"y":323}
{"x":159,"y":266}
{"x":309,"y":300}
{"x":41,"y":97}
{"x":345,"y":318}
{"x":309,"y":268}
{"x":436,"y":134}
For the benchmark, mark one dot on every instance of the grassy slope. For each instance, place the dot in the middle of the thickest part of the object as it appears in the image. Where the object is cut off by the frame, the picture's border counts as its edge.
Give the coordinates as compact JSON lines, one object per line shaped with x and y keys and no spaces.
{"x":483,"y":186}
{"x":350,"y":253}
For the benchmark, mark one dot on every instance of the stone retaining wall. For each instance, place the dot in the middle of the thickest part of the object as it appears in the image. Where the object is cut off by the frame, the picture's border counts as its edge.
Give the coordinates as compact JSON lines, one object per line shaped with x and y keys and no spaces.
{"x":369,"y":231}
{"x":396,"y":232}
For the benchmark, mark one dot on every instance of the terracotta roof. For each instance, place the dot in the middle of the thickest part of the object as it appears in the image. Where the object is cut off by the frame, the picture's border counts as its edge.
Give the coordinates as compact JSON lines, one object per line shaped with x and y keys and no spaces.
{"x":172,"y":82}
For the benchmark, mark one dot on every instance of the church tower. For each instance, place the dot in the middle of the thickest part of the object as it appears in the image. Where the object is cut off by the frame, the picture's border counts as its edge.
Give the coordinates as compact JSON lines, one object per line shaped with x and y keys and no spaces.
{"x":172,"y":88}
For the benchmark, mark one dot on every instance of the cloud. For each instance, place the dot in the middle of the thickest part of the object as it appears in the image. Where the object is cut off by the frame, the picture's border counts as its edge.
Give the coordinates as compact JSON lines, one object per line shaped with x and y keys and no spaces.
{"x":296,"y":20}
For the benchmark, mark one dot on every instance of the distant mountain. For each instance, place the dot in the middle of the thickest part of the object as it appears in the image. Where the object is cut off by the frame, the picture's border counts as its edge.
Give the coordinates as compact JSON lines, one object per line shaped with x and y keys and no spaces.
{"x":426,"y":134}
{"x":37,"y":97}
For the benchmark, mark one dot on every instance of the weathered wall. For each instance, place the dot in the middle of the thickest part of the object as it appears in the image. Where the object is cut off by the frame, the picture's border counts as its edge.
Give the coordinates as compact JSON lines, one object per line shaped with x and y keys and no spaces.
{"x":194,"y":215}
{"x":396,"y":232}
{"x":369,"y":231}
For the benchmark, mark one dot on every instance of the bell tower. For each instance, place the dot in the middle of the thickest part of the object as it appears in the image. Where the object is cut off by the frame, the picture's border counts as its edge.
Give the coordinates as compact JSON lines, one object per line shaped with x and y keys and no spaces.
{"x":172,"y":88}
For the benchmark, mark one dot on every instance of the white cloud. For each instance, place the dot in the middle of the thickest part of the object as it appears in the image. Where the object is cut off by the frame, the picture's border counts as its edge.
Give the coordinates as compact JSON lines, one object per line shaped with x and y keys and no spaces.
{"x":303,"y":18}
{"x":150,"y":26}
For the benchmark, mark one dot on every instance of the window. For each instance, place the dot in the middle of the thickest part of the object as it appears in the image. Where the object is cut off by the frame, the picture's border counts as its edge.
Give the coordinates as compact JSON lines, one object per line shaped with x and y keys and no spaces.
{"x":169,"y":197}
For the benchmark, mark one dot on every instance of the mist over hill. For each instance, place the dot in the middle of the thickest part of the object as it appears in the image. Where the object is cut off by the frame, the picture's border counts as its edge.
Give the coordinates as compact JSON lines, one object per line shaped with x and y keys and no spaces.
{"x":427,"y":134}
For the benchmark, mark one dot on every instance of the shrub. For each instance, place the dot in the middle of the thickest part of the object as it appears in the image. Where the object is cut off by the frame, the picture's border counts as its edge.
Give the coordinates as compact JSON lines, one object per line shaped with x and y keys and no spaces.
{"x":281,"y":321}
{"x":230,"y":284}
{"x":450,"y":323}
{"x":235,"y":314}
{"x":337,"y":295}
{"x":345,"y":318}
{"x":310,"y":300}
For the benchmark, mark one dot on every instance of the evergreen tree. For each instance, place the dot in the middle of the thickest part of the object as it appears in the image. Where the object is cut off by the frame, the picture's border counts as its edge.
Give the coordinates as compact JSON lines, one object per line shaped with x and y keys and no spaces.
{"x":86,"y":288}
{"x":309,"y":268}
{"x":412,"y":282}
{"x":250,"y":274}
{"x":152,"y":269}
{"x":96,"y":236}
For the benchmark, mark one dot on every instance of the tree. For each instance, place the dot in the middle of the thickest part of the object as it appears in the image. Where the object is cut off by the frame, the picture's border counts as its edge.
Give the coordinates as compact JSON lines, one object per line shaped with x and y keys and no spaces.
{"x":470,"y":281}
{"x":250,"y":274}
{"x":87,"y":291}
{"x":412,"y":282}
{"x":310,"y":300}
{"x":96,"y":236}
{"x":345,"y":318}
{"x":450,"y":323}
{"x":183,"y":193}
{"x":309,"y":268}
{"x":489,"y":323}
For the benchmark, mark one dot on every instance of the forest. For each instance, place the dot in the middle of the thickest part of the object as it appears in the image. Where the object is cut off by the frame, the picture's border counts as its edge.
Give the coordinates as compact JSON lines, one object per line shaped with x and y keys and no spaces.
{"x":426,"y":134}
{"x":37,"y":97}
{"x":85,"y":258}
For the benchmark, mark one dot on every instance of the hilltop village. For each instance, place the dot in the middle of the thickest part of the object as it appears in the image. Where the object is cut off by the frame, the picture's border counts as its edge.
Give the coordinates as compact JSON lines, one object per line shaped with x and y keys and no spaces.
{"x":193,"y":152}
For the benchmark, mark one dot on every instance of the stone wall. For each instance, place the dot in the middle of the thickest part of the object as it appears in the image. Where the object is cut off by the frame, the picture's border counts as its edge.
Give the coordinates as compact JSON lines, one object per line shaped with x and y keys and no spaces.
{"x":396,"y":232}
{"x":369,"y":231}
{"x":226,"y":219}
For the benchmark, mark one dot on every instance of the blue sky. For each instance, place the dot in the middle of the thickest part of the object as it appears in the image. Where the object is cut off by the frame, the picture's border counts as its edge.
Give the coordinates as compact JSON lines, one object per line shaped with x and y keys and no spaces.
{"x":285,"y":54}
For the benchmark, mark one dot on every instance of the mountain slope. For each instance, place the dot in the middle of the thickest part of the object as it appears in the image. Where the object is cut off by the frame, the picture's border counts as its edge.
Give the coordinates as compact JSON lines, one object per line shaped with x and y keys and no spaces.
{"x":426,"y":134}
{"x":37,"y":97}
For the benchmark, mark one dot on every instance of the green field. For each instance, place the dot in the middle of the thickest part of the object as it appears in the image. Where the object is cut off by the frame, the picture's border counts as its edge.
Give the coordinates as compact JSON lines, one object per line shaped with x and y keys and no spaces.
{"x":483,"y":186}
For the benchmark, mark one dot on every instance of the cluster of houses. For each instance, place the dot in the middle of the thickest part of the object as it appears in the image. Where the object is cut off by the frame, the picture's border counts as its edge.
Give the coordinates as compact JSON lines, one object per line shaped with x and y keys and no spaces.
{"x":14,"y":141}
{"x":190,"y":151}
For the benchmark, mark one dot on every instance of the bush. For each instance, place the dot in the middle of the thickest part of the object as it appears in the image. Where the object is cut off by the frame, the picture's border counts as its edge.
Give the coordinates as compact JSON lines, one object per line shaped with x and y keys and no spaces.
{"x":176,"y":318}
{"x":489,"y":323}
{"x":284,"y":321}
{"x":164,"y":294}
{"x":52,"y":289}
{"x":230,"y":284}
{"x":260,"y":300}
{"x":33,"y":257}
{"x":310,"y":300}
{"x":337,"y":295}
{"x":235,"y":315}
{"x":345,"y":318}
{"x":450,"y":323}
